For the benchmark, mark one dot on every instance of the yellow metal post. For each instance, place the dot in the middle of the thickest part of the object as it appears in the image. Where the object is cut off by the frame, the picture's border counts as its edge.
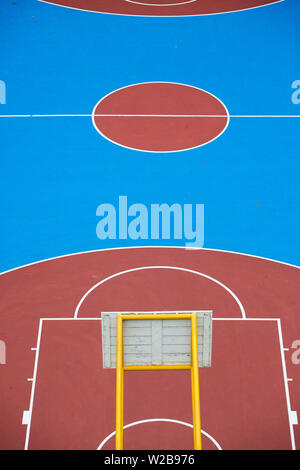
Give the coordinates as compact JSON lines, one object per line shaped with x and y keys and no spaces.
{"x":194,"y":367}
{"x":119,"y":385}
{"x":195,"y":384}
{"x":162,"y":367}
{"x":158,"y":316}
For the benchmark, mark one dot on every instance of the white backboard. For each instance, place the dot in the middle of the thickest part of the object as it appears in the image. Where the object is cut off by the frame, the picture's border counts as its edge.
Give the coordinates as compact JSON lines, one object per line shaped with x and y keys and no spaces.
{"x":156,"y":342}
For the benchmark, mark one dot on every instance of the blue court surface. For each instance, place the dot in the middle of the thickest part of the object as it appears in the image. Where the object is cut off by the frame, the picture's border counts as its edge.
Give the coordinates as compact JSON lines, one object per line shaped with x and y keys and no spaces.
{"x":56,"y":170}
{"x":149,"y":163}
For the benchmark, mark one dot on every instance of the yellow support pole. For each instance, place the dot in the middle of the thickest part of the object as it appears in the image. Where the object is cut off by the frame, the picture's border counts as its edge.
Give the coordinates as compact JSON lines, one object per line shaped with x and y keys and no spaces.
{"x":193,"y":401}
{"x":194,"y":367}
{"x":163,"y":316}
{"x":162,"y":367}
{"x":195,"y":384}
{"x":119,"y":385}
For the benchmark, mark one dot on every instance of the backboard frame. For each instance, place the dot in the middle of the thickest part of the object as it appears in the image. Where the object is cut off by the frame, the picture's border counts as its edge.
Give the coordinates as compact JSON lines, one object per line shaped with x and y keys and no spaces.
{"x":145,"y":340}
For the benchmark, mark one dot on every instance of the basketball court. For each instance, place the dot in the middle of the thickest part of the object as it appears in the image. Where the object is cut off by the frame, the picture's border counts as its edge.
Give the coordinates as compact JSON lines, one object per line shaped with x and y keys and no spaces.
{"x":165,"y":102}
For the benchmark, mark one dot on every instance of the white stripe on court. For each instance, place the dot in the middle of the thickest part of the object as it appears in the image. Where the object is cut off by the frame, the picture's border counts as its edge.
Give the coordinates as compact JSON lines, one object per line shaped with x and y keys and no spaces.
{"x":247,"y":116}
{"x":165,"y":16}
{"x":161,"y":4}
{"x":155,"y":420}
{"x":176,"y":268}
{"x":143,"y":247}
{"x":292,"y":415}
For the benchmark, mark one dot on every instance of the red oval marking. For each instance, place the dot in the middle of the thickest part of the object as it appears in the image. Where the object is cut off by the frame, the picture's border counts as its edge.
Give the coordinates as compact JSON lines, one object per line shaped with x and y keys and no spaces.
{"x":162,"y":7}
{"x":160,"y":117}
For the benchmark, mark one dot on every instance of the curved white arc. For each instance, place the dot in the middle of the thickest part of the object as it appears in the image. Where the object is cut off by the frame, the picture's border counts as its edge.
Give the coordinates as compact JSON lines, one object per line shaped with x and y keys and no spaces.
{"x":227,"y":116}
{"x":176,"y":268}
{"x":165,"y":16}
{"x":154,"y":420}
{"x":103,"y":250}
{"x":160,"y":4}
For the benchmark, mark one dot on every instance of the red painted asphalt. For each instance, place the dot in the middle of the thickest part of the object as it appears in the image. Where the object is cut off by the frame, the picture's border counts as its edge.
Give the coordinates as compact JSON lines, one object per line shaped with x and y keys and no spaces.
{"x":55,"y":288}
{"x":160,"y":117}
{"x":161,"y":7}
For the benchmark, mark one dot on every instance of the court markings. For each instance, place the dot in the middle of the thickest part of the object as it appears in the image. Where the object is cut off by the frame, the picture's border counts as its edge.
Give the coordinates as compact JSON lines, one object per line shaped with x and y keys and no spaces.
{"x":174,"y":268}
{"x":163,"y":16}
{"x":154,"y":115}
{"x":292,"y":415}
{"x":184,"y":2}
{"x":160,"y":420}
{"x":143,"y":247}
{"x":159,"y":115}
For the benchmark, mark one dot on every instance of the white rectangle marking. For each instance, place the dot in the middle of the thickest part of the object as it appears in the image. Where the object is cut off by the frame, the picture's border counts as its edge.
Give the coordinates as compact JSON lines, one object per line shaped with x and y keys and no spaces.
{"x":26,"y":417}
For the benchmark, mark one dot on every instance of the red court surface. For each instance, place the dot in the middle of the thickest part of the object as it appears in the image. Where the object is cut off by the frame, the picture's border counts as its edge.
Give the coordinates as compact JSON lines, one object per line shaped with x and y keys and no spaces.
{"x":162,"y":7}
{"x":249,"y":396}
{"x":73,"y":406}
{"x":160,"y":117}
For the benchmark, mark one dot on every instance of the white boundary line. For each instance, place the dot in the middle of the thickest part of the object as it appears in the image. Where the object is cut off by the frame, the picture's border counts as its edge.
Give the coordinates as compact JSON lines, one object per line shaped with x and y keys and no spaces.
{"x":143,"y":247}
{"x":277,"y":320}
{"x":248,"y":116}
{"x":42,"y":115}
{"x":164,"y":16}
{"x":33,"y":383}
{"x":160,"y":83}
{"x":154,"y":420}
{"x":142,"y":268}
{"x":286,"y":384}
{"x":184,"y":2}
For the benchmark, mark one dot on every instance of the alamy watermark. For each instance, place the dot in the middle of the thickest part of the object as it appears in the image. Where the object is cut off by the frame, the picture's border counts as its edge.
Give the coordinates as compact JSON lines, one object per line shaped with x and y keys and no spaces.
{"x":296,"y":353}
{"x":2,"y":352}
{"x":156,"y":222}
{"x":296,"y":94}
{"x":2,"y":92}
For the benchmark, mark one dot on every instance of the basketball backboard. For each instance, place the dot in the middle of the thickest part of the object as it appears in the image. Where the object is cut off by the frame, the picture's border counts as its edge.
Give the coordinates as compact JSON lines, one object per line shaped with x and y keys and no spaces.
{"x":159,"y":342}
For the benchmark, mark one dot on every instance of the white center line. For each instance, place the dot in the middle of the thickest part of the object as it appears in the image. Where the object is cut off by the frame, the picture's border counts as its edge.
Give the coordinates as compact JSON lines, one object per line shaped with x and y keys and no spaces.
{"x":153,"y":115}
